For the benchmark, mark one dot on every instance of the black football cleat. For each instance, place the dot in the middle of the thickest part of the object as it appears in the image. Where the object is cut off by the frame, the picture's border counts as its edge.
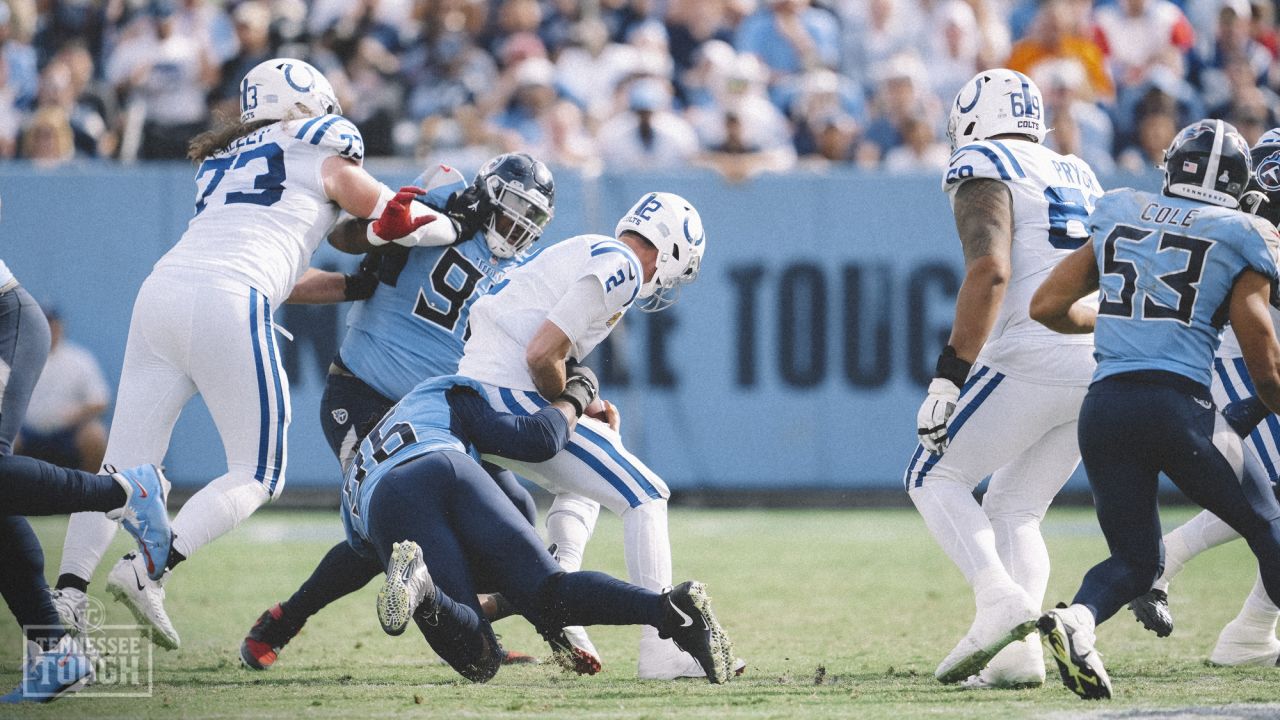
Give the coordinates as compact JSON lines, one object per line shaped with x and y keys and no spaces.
{"x":1152,"y":610}
{"x":691,"y":623}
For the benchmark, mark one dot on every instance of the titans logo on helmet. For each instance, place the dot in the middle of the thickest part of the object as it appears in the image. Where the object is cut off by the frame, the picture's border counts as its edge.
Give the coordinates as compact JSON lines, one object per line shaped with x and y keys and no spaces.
{"x":1268,"y":172}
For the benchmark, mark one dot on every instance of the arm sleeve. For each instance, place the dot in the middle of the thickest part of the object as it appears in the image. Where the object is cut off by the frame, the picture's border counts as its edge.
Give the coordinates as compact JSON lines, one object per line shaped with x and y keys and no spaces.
{"x":527,"y":438}
{"x":1261,"y":256}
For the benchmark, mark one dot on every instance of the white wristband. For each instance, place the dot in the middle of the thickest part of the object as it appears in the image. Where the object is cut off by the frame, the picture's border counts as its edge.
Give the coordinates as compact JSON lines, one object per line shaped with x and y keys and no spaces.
{"x":385,"y":195}
{"x":372,"y":236}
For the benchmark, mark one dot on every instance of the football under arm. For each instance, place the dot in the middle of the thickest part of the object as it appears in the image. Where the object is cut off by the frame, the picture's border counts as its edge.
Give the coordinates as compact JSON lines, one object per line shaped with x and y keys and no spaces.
{"x":1056,"y":303}
{"x":1251,"y":319}
{"x":527,"y":438}
{"x":984,"y":221}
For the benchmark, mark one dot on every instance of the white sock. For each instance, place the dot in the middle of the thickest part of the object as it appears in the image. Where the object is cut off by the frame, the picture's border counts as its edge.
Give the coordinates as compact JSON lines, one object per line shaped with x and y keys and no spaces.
{"x":963,"y":530}
{"x":1200,"y":533}
{"x":645,"y":545}
{"x":216,"y":510}
{"x":88,"y":536}
{"x":1023,"y":552}
{"x":1258,"y":610}
{"x":570,"y":522}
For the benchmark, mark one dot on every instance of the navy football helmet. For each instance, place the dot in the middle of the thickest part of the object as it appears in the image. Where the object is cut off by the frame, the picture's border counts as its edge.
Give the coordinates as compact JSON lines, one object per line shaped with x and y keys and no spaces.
{"x":1208,"y":161}
{"x":515,"y":196}
{"x":1263,"y":196}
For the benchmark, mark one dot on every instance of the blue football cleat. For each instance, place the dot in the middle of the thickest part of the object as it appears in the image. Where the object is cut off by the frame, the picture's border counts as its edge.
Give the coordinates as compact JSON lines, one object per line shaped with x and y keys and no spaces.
{"x":53,"y":673}
{"x":144,"y":515}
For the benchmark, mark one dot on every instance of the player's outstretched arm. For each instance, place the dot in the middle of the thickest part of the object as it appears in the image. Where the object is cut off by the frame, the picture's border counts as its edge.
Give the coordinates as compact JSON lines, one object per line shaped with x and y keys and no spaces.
{"x":396,"y":216}
{"x":984,"y":221}
{"x":1056,"y":303}
{"x":527,"y":438}
{"x":325,"y":287}
{"x":1251,"y":319}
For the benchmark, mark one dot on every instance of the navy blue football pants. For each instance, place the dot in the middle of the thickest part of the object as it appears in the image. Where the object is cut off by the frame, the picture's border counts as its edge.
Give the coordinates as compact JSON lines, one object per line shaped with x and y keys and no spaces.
{"x":24,"y":345}
{"x":1135,"y":426}
{"x":349,"y":409}
{"x":471,"y":537}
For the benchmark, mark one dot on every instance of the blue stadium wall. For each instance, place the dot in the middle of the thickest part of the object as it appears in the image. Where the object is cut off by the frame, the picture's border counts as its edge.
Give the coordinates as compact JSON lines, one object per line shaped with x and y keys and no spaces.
{"x":797,"y":359}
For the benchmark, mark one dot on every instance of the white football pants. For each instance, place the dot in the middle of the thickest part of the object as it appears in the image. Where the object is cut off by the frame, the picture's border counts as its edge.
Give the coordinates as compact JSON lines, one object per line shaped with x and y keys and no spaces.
{"x":595,"y":466}
{"x":192,"y":332}
{"x":1022,"y":435}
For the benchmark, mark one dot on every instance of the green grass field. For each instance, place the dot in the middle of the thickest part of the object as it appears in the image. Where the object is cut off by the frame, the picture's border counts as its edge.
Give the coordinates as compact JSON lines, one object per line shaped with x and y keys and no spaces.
{"x":839,"y":613}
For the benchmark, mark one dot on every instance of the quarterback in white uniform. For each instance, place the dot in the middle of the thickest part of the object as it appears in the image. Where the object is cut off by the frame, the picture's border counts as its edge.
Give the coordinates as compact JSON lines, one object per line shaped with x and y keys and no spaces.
{"x":1007,"y":391}
{"x":556,"y":307}
{"x":268,"y":190}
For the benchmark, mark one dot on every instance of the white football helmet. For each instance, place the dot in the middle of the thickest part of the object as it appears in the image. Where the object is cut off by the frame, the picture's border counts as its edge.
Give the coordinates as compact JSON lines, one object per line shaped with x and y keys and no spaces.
{"x":283,"y":88}
{"x":996,"y":102}
{"x":672,"y":225}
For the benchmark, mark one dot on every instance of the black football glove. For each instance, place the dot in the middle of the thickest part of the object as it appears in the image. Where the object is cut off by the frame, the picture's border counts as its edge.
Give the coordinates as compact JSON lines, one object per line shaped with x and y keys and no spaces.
{"x":466,"y":210}
{"x":360,"y":284}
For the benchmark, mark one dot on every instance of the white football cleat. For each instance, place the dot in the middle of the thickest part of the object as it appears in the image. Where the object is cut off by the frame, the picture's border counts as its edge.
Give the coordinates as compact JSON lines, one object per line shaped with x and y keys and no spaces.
{"x":662,"y":660}
{"x":73,"y":607}
{"x":1019,"y":666}
{"x":144,"y":597}
{"x":1069,"y":634}
{"x":408,"y":585}
{"x":1243,"y":644}
{"x":1007,"y":618}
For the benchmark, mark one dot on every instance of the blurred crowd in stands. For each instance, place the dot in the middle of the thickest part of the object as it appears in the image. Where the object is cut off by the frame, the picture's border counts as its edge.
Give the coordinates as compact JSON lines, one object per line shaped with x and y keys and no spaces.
{"x":744,"y":86}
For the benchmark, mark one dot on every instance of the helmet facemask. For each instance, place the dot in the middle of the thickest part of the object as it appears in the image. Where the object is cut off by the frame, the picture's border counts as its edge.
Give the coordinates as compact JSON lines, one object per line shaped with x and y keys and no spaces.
{"x":517,"y":216}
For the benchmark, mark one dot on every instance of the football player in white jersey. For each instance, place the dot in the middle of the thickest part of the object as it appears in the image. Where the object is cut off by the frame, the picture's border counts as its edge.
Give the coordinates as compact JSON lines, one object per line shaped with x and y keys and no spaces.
{"x":269,"y":188}
{"x":1007,"y":391}
{"x":555,"y":308}
{"x":1250,"y":638}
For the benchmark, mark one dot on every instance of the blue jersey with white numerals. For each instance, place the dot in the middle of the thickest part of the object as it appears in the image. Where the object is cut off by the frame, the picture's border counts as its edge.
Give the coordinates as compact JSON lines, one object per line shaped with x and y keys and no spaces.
{"x":420,"y":423}
{"x":1166,"y":268}
{"x":415,"y":324}
{"x":1052,"y":195}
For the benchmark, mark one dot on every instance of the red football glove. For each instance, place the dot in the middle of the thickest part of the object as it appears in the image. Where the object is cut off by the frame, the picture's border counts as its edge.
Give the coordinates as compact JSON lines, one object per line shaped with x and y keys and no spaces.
{"x":397,"y":219}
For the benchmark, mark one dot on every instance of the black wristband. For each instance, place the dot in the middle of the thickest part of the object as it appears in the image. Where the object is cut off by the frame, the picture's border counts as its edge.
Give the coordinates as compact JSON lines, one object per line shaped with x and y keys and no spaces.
{"x":952,"y":368}
{"x":359,"y":285}
{"x":573,"y":396}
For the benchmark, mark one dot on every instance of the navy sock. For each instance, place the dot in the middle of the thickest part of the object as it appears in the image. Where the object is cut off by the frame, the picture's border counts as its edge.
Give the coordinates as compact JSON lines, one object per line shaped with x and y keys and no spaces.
{"x":22,"y":582}
{"x":594,"y":598}
{"x":341,"y":572}
{"x":75,"y":582}
{"x":458,"y":634}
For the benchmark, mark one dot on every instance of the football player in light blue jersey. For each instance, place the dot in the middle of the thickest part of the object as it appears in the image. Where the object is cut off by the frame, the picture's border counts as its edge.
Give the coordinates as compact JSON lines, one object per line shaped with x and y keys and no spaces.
{"x":1170,"y":270}
{"x":1250,"y":638}
{"x":410,"y":325}
{"x":417,"y":504}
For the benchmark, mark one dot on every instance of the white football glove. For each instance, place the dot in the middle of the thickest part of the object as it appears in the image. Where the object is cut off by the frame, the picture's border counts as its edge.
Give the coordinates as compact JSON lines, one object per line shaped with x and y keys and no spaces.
{"x":935,"y":413}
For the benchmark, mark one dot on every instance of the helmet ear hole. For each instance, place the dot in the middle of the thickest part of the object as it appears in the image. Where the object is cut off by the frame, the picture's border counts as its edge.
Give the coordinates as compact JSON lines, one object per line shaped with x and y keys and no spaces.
{"x":675,"y":251}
